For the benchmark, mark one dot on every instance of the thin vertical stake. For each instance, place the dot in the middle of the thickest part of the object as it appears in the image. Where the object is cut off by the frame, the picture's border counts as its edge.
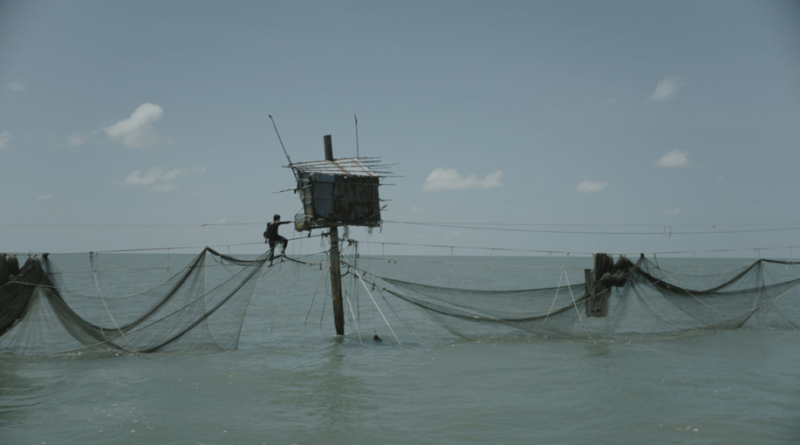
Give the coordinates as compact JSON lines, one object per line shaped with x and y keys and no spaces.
{"x":356,"y":118}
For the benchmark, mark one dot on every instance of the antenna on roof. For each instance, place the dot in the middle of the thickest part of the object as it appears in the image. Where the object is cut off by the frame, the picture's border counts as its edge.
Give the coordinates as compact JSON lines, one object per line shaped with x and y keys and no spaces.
{"x":280,"y":140}
{"x":356,"y":118}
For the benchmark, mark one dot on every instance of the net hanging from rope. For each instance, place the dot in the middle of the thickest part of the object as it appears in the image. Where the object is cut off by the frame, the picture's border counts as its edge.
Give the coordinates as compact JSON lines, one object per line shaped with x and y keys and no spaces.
{"x":72,"y":305}
{"x":643,"y":300}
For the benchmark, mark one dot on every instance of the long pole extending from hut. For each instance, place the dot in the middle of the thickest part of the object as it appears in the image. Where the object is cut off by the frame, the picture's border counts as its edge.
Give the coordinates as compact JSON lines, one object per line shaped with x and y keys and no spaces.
{"x":336,"y":271}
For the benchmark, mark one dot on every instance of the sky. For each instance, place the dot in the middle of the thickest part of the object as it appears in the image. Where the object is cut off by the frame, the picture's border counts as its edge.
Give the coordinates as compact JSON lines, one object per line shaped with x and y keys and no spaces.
{"x":515,"y":127}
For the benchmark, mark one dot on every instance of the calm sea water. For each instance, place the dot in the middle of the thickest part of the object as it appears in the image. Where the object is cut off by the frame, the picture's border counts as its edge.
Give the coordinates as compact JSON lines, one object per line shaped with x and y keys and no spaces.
{"x":293,"y":382}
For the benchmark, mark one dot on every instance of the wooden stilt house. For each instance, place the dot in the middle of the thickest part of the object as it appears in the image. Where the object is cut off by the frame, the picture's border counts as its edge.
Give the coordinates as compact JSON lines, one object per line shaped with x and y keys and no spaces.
{"x":340,"y":192}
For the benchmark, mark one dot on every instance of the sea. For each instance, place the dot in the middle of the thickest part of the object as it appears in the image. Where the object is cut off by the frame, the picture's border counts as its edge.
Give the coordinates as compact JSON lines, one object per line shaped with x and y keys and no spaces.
{"x":292,"y":381}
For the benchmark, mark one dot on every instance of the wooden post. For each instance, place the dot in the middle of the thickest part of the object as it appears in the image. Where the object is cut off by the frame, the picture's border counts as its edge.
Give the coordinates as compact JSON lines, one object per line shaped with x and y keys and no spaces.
{"x":336,"y":271}
{"x":597,"y":306}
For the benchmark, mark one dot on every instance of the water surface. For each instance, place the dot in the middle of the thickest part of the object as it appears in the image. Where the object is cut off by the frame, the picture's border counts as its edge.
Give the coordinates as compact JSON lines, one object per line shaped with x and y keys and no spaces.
{"x":293,"y":382}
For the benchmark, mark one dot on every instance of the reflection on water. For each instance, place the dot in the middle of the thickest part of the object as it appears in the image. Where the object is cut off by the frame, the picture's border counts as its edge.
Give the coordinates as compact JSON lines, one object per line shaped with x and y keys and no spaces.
{"x":29,"y":388}
{"x":344,"y":398}
{"x":17,"y":393}
{"x":598,"y":349}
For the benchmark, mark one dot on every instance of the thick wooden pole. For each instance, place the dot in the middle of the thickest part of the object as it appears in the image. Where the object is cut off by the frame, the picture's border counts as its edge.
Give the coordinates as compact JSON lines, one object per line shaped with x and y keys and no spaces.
{"x":597,"y":306}
{"x":336,"y":271}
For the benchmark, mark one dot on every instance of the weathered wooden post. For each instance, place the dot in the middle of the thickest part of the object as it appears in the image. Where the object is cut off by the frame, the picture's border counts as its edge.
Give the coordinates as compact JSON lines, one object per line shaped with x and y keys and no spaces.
{"x":336,"y":271}
{"x":597,"y":305}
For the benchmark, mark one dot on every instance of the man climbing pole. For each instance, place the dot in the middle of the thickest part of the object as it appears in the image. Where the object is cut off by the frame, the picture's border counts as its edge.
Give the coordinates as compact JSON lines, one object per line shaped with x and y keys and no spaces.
{"x":271,"y":235}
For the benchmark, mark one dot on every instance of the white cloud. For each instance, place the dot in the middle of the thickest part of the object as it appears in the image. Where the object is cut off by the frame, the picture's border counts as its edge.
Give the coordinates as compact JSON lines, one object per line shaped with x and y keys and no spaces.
{"x":44,"y":197}
{"x":450,"y":179}
{"x":416,"y":209}
{"x":5,"y":138}
{"x":16,"y":86}
{"x":589,"y":186}
{"x":137,"y":130}
{"x":204,"y":190}
{"x":76,"y":139}
{"x":157,"y":179}
{"x":672,"y":212}
{"x":667,"y":88}
{"x":675,"y":158}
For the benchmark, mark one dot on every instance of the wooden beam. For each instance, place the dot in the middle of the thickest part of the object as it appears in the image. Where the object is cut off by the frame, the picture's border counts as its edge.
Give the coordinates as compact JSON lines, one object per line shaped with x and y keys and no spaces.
{"x":333,"y":257}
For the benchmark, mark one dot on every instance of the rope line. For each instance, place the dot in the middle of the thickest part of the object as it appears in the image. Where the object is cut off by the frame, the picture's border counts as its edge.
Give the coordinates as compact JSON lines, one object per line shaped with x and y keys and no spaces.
{"x":576,"y":308}
{"x":108,"y":311}
{"x":355,"y":321}
{"x":674,"y":252}
{"x":381,"y":312}
{"x":383,"y":296}
{"x":148,"y":249}
{"x":321,"y":276}
{"x":667,"y":228}
{"x":549,"y":311}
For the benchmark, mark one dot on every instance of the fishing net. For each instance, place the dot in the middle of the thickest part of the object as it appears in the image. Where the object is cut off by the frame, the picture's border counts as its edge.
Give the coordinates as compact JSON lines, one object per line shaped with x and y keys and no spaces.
{"x":85,"y":305}
{"x":632,"y":299}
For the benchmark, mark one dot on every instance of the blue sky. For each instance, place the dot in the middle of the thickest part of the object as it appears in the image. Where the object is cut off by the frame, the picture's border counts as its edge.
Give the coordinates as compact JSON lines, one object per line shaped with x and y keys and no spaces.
{"x":606,"y":118}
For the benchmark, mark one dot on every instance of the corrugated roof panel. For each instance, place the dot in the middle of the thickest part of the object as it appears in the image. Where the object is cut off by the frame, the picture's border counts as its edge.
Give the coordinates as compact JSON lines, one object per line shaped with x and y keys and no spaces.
{"x":346,"y":166}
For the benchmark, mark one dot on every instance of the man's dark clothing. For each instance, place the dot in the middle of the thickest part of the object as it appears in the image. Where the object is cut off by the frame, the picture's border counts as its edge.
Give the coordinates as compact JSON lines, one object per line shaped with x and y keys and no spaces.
{"x":273,"y":238}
